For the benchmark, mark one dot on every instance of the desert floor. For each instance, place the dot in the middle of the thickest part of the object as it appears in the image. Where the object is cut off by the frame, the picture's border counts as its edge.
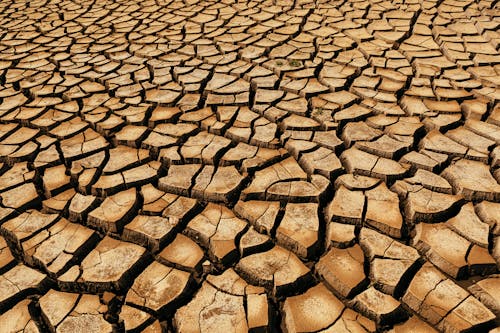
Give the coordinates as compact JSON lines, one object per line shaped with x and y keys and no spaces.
{"x":249,"y":166}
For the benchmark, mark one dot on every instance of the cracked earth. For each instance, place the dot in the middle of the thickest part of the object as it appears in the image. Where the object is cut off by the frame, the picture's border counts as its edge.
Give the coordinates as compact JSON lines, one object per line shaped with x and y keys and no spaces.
{"x":249,"y":166}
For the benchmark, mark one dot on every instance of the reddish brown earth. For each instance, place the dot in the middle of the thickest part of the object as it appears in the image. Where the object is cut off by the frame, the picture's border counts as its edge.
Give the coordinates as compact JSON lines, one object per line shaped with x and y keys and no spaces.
{"x":249,"y":166}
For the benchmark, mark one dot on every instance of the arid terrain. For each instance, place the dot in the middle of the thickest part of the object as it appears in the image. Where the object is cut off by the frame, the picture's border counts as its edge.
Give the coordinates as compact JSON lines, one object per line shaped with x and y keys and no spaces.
{"x":249,"y":166}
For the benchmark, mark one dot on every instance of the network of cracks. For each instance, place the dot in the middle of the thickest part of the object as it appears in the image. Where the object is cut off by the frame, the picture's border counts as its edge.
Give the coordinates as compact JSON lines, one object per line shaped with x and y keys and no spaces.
{"x":249,"y":166}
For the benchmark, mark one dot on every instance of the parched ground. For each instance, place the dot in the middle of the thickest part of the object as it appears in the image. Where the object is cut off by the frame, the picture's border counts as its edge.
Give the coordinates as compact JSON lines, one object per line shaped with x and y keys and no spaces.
{"x":233,"y":166}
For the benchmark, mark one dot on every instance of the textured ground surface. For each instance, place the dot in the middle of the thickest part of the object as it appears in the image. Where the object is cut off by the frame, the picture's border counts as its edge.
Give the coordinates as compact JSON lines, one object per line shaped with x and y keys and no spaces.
{"x":234,"y":166}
